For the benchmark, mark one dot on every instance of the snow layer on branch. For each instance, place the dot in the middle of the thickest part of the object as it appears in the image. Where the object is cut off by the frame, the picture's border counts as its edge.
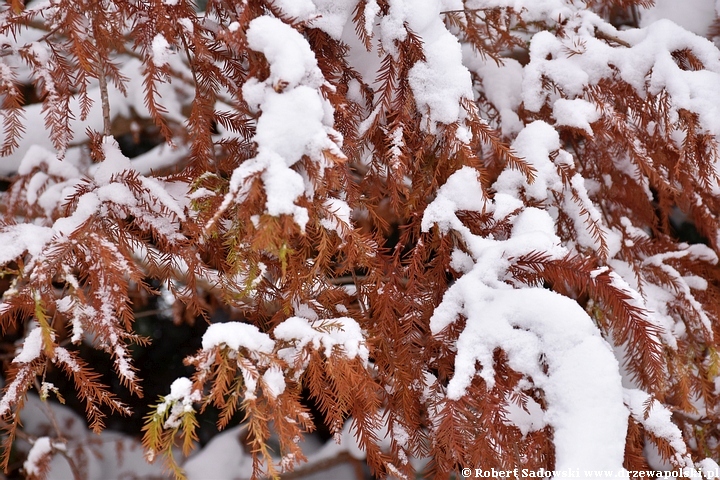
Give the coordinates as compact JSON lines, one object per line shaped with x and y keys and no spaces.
{"x":295,"y":120}
{"x":657,"y":420}
{"x":582,"y":385}
{"x":40,"y":451}
{"x":109,"y":190}
{"x":343,"y":334}
{"x":534,"y":144}
{"x":502,"y":86}
{"x":461,"y":191}
{"x":339,"y":218}
{"x":25,"y":237}
{"x":236,"y":335}
{"x":288,"y":53}
{"x":31,"y":347}
{"x":623,"y":278}
{"x":441,"y":81}
{"x":647,"y":65}
{"x":180,"y":401}
{"x":160,"y":50}
{"x":575,"y":113}
{"x":539,"y":145}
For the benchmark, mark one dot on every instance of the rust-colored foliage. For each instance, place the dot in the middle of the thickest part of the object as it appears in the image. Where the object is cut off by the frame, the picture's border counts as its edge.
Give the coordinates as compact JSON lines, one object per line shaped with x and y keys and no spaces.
{"x":357,"y":199}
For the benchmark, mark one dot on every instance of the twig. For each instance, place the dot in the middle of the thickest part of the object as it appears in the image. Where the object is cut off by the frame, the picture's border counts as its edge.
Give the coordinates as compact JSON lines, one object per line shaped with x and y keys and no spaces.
{"x":58,"y":432}
{"x":107,"y":125}
{"x":611,"y":38}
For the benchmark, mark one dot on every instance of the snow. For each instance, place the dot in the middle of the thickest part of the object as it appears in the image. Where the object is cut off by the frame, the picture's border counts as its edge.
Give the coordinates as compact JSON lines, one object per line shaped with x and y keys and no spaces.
{"x":179,"y":401}
{"x":332,"y":15}
{"x":38,"y":144}
{"x":528,"y":419}
{"x":32,"y":347}
{"x":297,"y":9}
{"x":274,"y":380}
{"x":534,"y":144}
{"x":290,"y":102}
{"x":87,"y":206}
{"x":180,"y":388}
{"x":441,"y":81}
{"x":585,"y":409}
{"x":649,"y":56}
{"x":160,"y":50}
{"x":582,"y":386}
{"x":501,"y":85}
{"x":288,"y":53}
{"x":576,"y":113}
{"x":236,"y":335}
{"x":340,"y":216}
{"x":63,"y":356}
{"x":579,"y":375}
{"x":533,"y":10}
{"x":39,"y":452}
{"x":341,"y":333}
{"x":224,"y":453}
{"x":658,"y":421}
{"x":537,"y":144}
{"x":107,"y":455}
{"x":24,"y":237}
{"x":461,"y":191}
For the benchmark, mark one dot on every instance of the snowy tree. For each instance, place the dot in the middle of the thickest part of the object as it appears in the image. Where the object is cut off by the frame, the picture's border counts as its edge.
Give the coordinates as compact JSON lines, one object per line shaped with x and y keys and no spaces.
{"x":452,"y":233}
